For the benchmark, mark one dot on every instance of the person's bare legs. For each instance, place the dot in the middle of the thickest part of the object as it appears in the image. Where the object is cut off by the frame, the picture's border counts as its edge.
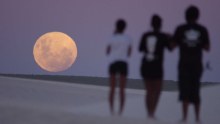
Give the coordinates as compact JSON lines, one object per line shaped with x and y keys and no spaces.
{"x":112,"y":92}
{"x":122,"y":92}
{"x":149,"y":97}
{"x":157,"y":91}
{"x":197,"y":104}
{"x":153,"y":93}
{"x":185,"y":105}
{"x":197,"y":112}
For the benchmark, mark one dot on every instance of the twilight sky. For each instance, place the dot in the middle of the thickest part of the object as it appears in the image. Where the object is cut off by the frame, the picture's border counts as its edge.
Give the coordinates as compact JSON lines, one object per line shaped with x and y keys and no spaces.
{"x":90,"y":23}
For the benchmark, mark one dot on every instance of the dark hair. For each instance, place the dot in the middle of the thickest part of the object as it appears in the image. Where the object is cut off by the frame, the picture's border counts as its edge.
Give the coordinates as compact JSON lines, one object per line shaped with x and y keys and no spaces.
{"x":192,"y":13}
{"x":156,"y":22}
{"x":120,"y":25}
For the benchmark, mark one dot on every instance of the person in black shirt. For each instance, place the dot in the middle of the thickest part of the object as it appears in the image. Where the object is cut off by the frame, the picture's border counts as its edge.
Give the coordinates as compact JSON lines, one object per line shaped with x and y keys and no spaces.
{"x":152,"y":46}
{"x":191,"y":38}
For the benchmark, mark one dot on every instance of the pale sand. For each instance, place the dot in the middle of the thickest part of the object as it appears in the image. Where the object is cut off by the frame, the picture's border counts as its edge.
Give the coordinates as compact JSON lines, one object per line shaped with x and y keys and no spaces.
{"x":25,"y":101}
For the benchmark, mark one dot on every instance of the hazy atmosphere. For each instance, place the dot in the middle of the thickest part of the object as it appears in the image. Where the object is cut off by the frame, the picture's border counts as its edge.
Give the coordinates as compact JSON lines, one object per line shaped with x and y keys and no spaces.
{"x":90,"y":23}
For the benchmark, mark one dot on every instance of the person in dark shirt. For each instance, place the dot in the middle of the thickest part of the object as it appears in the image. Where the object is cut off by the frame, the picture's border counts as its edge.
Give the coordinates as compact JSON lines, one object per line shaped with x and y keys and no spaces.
{"x":191,"y":38}
{"x":152,"y":46}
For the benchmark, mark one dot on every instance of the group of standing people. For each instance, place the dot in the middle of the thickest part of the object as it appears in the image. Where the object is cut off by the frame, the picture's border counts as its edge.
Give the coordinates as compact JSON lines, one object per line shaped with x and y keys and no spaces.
{"x":191,"y":38}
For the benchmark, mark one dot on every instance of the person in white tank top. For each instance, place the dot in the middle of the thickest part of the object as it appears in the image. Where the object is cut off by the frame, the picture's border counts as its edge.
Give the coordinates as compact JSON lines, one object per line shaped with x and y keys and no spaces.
{"x":118,"y":51}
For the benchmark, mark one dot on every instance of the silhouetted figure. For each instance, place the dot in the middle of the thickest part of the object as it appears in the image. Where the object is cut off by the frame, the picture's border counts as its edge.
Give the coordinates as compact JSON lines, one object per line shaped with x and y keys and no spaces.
{"x":152,"y":45}
{"x":118,"y":50}
{"x":191,"y":38}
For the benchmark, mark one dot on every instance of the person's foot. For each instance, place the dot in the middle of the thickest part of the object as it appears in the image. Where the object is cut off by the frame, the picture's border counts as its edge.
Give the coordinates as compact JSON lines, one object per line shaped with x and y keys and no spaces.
{"x":198,"y":122}
{"x":112,"y":112}
{"x":120,"y":113}
{"x":183,"y":121}
{"x":151,"y":120}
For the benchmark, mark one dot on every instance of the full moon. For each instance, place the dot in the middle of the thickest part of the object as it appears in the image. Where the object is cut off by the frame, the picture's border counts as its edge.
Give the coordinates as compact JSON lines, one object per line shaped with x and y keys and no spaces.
{"x":55,"y":51}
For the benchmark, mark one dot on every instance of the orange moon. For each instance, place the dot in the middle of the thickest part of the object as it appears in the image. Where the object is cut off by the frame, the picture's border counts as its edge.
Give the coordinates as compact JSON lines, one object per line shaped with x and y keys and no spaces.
{"x":55,"y":51}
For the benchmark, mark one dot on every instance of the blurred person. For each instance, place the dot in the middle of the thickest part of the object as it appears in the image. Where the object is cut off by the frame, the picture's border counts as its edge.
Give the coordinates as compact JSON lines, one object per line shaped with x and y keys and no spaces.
{"x":118,"y":50}
{"x":191,"y":38}
{"x":152,"y":45}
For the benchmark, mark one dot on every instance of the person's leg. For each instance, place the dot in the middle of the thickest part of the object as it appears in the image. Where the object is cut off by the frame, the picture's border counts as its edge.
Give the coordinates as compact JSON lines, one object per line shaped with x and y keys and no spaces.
{"x":157,"y":85}
{"x":196,"y":92}
{"x":122,"y":92}
{"x":197,"y":100}
{"x":112,"y":92}
{"x":185,"y":105}
{"x":196,"y":103}
{"x":197,"y":111}
{"x":150,"y":98}
{"x":184,"y":91}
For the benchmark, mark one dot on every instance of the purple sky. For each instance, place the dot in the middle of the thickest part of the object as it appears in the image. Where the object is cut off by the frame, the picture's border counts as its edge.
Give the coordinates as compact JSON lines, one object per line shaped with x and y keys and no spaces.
{"x":90,"y":23}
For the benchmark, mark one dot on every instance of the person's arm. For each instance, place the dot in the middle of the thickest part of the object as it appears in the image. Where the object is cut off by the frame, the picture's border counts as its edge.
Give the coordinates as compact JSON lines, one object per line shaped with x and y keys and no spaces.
{"x":170,"y":42}
{"x":206,"y":45}
{"x":175,"y":39}
{"x":142,"y":44}
{"x":173,"y":44}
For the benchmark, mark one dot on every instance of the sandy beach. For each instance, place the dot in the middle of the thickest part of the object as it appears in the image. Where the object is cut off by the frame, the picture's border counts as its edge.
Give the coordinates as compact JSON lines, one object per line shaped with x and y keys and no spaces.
{"x":50,"y":102}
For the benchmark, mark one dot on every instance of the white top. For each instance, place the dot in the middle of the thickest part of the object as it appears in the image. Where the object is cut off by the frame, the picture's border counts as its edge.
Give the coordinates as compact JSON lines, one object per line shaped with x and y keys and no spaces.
{"x":119,"y":44}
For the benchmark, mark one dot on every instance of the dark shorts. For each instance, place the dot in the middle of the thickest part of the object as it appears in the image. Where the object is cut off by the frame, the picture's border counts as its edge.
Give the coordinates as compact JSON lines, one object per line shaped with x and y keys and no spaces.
{"x":189,"y":83}
{"x":118,"y":67}
{"x":151,"y":70}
